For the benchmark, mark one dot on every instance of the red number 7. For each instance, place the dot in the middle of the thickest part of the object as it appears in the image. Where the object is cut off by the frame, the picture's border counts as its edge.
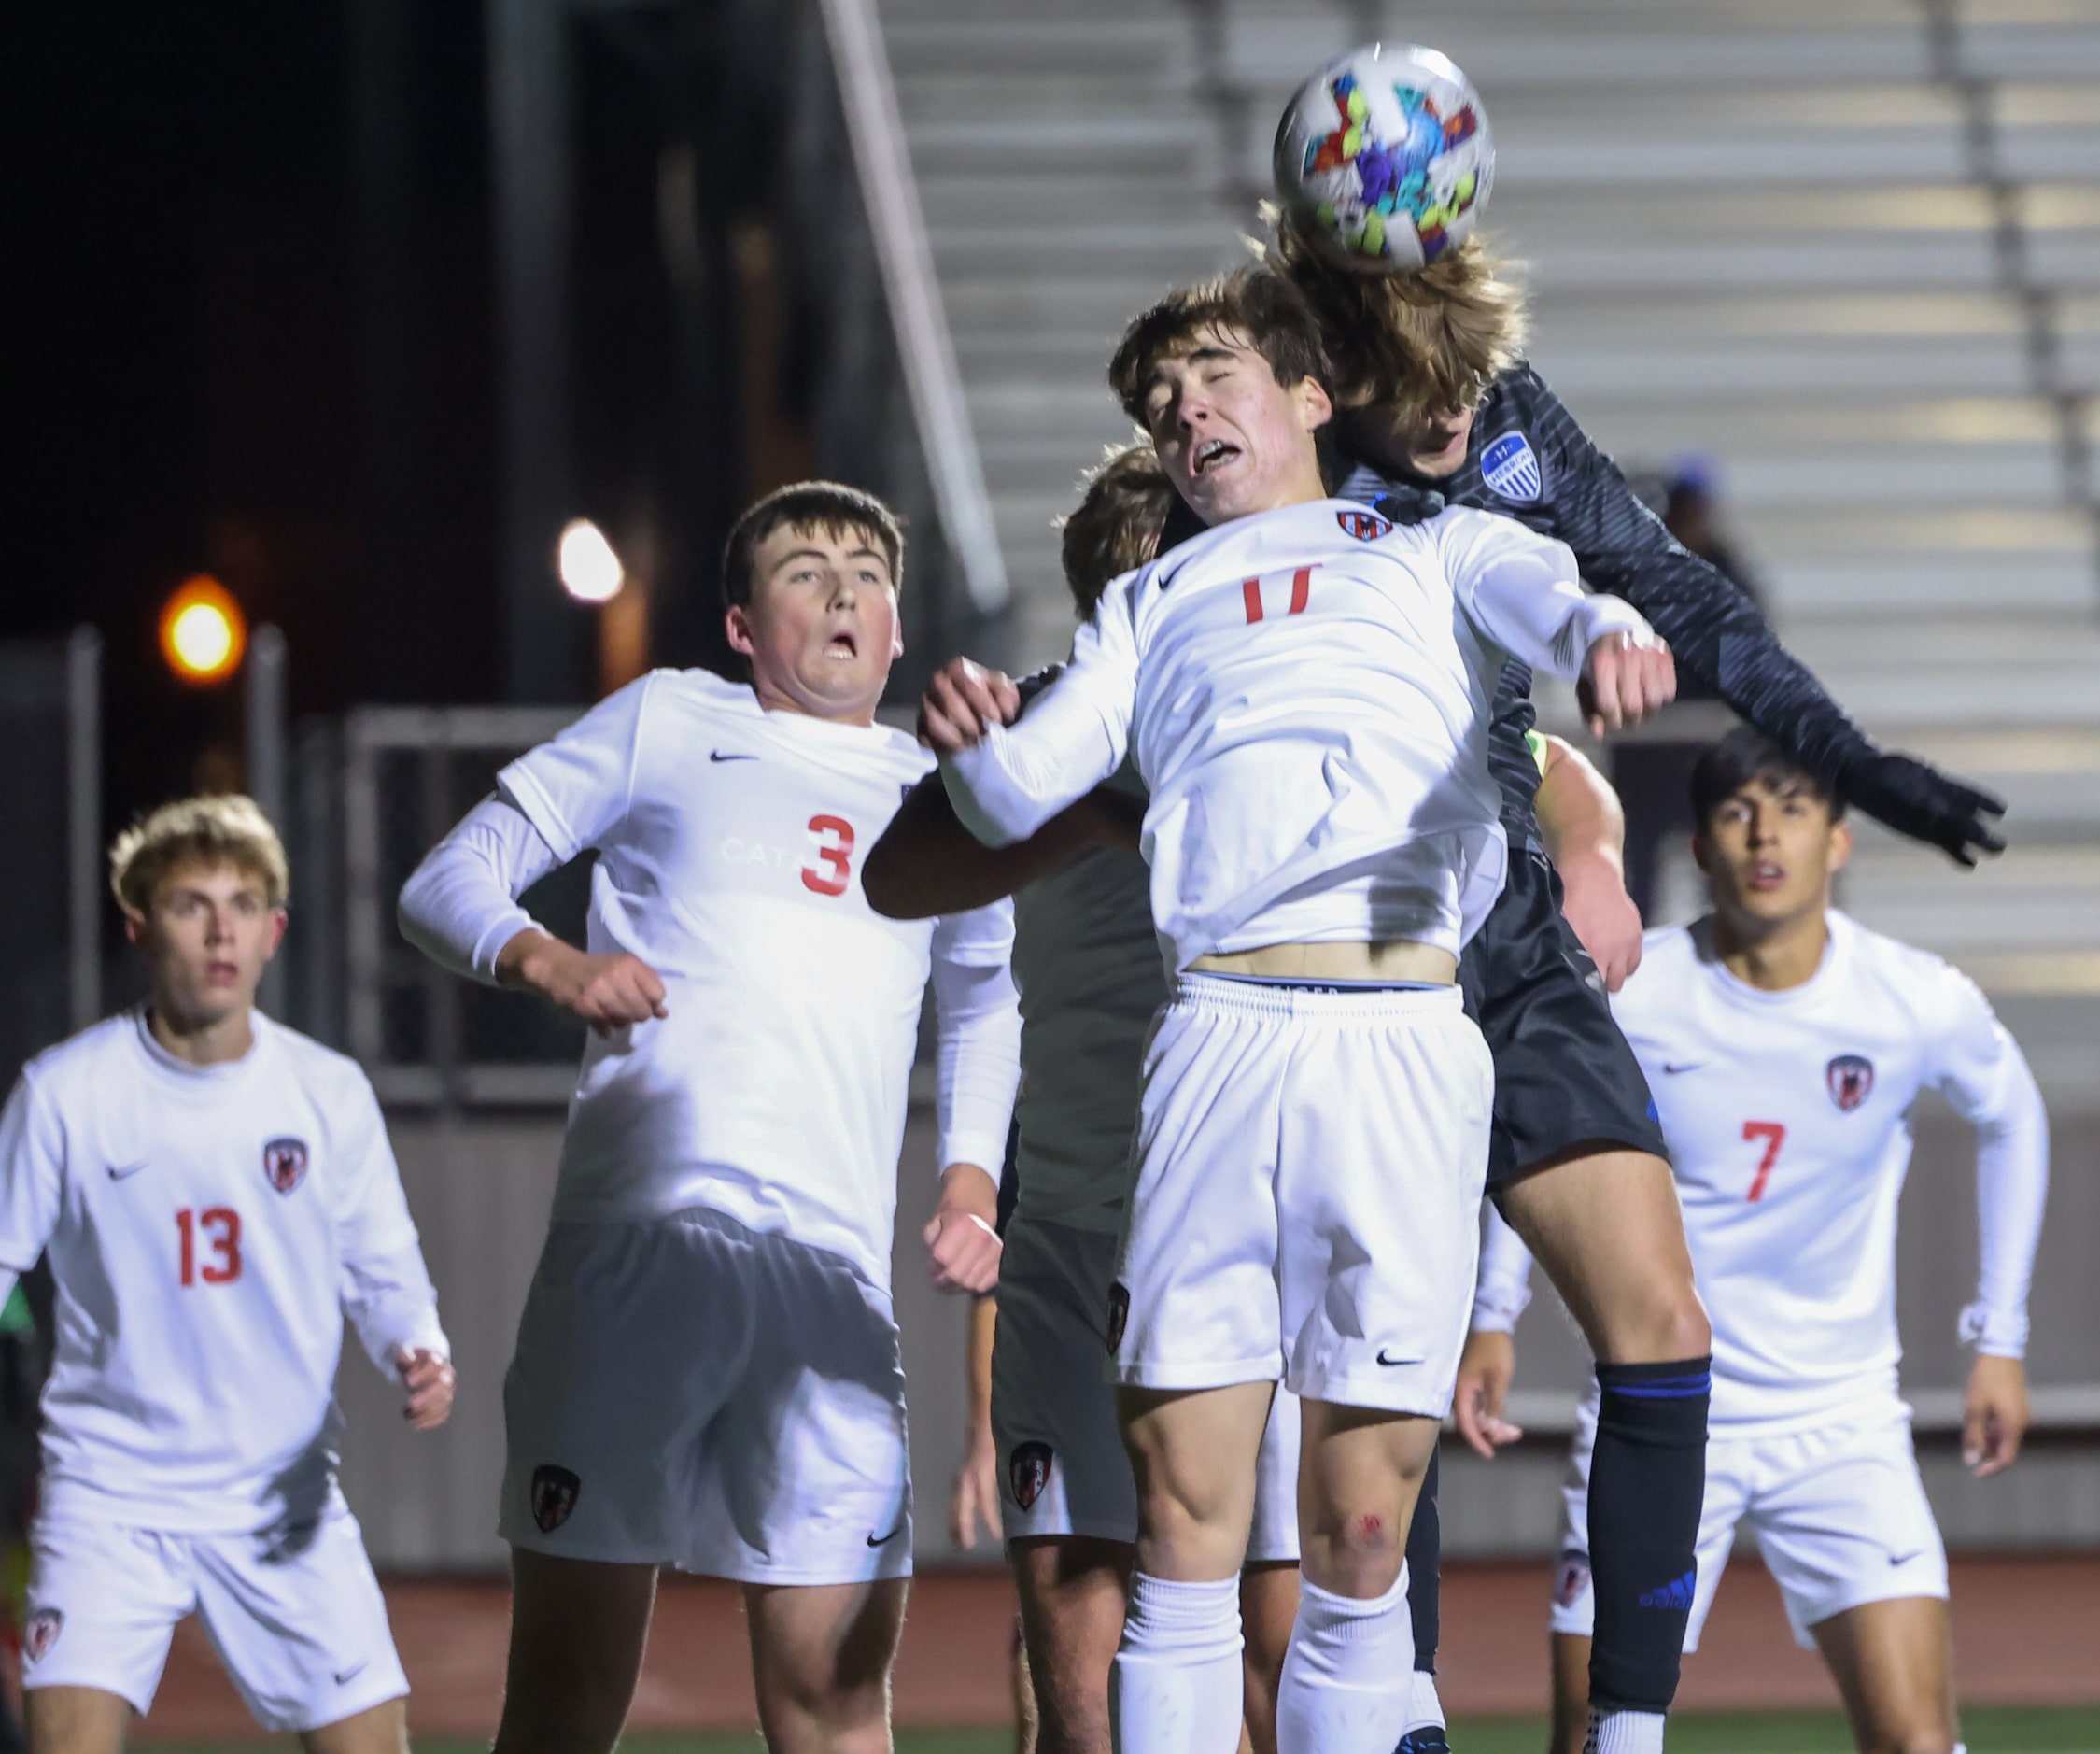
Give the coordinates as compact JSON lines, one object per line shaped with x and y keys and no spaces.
{"x":1774,"y":1136}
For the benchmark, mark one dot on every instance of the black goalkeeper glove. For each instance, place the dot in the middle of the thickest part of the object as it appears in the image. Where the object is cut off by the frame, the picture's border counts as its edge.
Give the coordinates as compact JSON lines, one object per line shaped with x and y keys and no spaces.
{"x":1924,"y":803}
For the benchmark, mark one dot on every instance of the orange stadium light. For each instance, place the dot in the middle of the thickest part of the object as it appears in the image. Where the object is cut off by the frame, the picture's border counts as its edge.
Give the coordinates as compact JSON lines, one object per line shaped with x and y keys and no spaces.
{"x":203,"y":632}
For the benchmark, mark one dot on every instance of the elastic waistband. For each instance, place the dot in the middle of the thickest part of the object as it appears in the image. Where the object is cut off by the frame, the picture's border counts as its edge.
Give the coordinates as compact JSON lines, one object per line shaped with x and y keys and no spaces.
{"x":1309,"y":999}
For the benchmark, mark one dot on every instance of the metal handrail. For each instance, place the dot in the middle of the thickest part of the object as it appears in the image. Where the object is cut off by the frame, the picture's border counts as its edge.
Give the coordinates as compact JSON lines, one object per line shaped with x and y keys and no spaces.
{"x":933,"y":379}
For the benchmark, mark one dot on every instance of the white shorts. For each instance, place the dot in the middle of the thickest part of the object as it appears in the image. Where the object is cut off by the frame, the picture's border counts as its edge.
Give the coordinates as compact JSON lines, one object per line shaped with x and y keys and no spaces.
{"x":296,"y":1615}
{"x":690,"y":1392}
{"x":1310,"y":1167}
{"x":1053,"y":1407}
{"x":1840,"y":1514}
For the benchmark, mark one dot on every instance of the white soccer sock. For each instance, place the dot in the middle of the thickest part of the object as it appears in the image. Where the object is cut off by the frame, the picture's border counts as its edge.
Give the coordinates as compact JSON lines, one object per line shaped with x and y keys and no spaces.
{"x":1423,"y":1705}
{"x":1177,"y":1686}
{"x":1624,"y":1732}
{"x":1346,"y":1675}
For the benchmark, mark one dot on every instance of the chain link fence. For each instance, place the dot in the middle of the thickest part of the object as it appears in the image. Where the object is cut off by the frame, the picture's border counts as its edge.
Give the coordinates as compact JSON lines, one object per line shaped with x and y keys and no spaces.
{"x":372,"y":793}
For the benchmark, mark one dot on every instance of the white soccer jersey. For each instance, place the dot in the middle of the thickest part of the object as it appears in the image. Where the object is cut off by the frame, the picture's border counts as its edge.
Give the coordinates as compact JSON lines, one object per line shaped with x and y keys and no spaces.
{"x":209,"y":1227}
{"x":1306,"y":692}
{"x":729,"y":842}
{"x":1086,"y":960}
{"x":1789,"y":1120}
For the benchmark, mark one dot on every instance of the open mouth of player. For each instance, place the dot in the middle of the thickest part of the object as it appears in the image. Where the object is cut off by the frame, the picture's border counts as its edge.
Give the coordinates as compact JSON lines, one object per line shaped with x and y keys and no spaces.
{"x":843,"y":644}
{"x":1213,"y":453}
{"x":221,"y":973}
{"x":1766,"y":875}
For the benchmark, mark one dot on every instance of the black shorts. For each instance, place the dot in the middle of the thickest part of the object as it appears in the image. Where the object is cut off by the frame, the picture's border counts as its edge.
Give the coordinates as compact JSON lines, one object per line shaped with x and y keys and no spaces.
{"x":1563,"y":1073}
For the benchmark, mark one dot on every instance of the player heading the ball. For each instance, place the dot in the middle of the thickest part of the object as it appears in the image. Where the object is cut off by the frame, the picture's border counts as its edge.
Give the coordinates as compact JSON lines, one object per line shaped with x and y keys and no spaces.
{"x":1305,"y":689}
{"x":708,"y":1372}
{"x":216,"y":1192}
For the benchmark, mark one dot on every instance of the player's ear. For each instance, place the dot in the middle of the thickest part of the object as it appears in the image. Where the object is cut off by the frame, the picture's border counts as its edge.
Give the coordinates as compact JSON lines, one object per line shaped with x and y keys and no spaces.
{"x":1702,"y":853}
{"x":736,"y":619}
{"x":1840,"y":845}
{"x":1316,"y":407}
{"x":134,"y":927}
{"x":280,"y":918}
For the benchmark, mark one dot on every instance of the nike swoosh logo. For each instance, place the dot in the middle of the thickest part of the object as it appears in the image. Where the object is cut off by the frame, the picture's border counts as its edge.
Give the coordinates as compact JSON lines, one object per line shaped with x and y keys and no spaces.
{"x":716,"y":754}
{"x":1689,"y":1066}
{"x":883,"y":1540}
{"x":344,"y":1676}
{"x":123,"y":1172}
{"x":1394,"y":1362}
{"x":1172,"y":573}
{"x":1904,"y":1559}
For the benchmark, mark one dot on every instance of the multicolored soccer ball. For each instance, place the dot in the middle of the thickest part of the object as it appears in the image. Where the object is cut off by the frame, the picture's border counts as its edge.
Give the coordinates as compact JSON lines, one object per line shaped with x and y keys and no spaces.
{"x":1384,"y":158}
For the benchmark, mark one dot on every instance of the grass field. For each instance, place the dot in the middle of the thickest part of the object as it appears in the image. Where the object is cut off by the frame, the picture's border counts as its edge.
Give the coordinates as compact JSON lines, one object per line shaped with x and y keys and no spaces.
{"x":1986,"y":1731}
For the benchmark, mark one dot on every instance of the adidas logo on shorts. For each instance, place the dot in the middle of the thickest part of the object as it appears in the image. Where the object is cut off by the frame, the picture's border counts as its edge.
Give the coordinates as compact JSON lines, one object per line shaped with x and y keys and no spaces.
{"x":1671,"y":1595}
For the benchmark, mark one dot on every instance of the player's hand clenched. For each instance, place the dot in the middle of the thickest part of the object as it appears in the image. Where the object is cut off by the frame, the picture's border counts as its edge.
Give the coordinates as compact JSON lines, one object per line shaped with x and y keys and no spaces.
{"x":961,"y":1239}
{"x":1626,"y":678}
{"x":963,"y":701}
{"x":1997,"y":1416}
{"x":1485,"y":1370}
{"x":430,"y":1380}
{"x":608,"y":992}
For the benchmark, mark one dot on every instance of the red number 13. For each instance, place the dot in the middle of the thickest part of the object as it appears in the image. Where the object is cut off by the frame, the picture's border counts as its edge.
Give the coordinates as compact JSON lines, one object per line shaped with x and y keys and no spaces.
{"x":837,"y":858}
{"x":1774,"y":1136}
{"x":221,"y":1225}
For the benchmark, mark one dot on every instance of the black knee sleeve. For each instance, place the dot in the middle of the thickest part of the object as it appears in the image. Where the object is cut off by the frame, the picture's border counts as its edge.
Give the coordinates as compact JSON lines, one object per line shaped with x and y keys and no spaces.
{"x":1646,"y":1479}
{"x":1425,"y":1554}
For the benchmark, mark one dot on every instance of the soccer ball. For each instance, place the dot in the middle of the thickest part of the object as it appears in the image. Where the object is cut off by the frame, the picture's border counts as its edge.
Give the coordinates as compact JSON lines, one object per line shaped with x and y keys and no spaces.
{"x":1384,"y":158}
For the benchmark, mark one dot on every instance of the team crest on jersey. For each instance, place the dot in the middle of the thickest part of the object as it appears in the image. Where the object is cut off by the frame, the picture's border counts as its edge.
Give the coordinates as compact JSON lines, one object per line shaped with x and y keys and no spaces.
{"x":1363,"y":526}
{"x":1571,"y":1579}
{"x":1510,"y":467}
{"x":554,"y":1492}
{"x":1028,"y":1471}
{"x":40,"y":1631}
{"x":1850,"y":1078}
{"x":1119,"y":1314}
{"x":283,"y":1161}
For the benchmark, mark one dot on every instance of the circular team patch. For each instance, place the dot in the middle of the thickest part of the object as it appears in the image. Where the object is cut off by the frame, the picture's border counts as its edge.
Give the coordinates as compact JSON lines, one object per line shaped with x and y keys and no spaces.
{"x":1571,"y":1579}
{"x":1850,"y":1078}
{"x":1510,"y":466}
{"x":554,"y":1492}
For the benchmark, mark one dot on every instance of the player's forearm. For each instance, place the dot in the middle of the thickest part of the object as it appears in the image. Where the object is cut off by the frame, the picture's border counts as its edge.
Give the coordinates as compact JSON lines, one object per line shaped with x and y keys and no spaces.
{"x":393,"y":1307}
{"x":1012,"y":781}
{"x":1504,"y":1287}
{"x":927,"y":863}
{"x":1580,"y":816}
{"x":2011,"y":1191}
{"x":977,"y":1061}
{"x":1529,"y":602}
{"x":984,"y":1322}
{"x":459,"y":908}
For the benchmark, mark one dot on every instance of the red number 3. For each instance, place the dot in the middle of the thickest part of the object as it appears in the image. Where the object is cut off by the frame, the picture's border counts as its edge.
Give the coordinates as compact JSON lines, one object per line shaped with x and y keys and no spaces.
{"x":222,"y":1228}
{"x":839,"y":856}
{"x":1774,"y":1136}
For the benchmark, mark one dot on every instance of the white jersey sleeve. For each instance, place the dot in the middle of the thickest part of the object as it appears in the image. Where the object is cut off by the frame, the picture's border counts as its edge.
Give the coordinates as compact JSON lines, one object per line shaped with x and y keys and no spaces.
{"x":1072,"y":737}
{"x":387,"y":1290}
{"x":32,"y":1180}
{"x":1523,"y":590}
{"x":978,"y":1060}
{"x":577,"y":788}
{"x":1503,"y":1288}
{"x":1977,"y":1067}
{"x":461,"y":905}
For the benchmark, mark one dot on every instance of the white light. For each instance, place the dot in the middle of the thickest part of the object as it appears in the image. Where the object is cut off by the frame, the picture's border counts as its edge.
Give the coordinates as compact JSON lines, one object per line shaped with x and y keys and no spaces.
{"x":591,"y":571}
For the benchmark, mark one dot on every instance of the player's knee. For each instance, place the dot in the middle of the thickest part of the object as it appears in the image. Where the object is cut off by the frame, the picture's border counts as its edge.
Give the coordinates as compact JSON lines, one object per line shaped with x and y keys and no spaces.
{"x":1665,"y":1321}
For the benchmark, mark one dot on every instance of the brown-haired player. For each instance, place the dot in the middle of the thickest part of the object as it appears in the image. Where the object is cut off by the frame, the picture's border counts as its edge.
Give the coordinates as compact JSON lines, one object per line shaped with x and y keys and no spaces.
{"x":707,"y":1373}
{"x":1434,"y":395}
{"x":1308,"y":715}
{"x":214,"y":1194}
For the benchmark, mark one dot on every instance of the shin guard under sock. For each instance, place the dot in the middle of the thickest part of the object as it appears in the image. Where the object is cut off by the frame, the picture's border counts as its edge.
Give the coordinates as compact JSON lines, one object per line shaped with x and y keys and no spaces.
{"x":1176,"y":1685}
{"x":1647,"y":1476}
{"x":1348,"y":1674}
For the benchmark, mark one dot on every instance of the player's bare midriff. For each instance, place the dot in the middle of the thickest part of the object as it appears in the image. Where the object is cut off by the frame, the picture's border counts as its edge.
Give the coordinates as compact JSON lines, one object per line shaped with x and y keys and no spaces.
{"x":1392,"y":959}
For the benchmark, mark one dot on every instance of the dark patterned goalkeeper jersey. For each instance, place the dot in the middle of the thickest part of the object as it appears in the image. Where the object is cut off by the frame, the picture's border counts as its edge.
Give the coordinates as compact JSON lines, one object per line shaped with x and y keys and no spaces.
{"x":1528,"y":460}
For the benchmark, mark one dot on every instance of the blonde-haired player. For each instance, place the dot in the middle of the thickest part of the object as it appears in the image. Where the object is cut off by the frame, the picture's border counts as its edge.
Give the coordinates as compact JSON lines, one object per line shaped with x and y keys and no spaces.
{"x":216,"y":1192}
{"x":1787,"y":1046}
